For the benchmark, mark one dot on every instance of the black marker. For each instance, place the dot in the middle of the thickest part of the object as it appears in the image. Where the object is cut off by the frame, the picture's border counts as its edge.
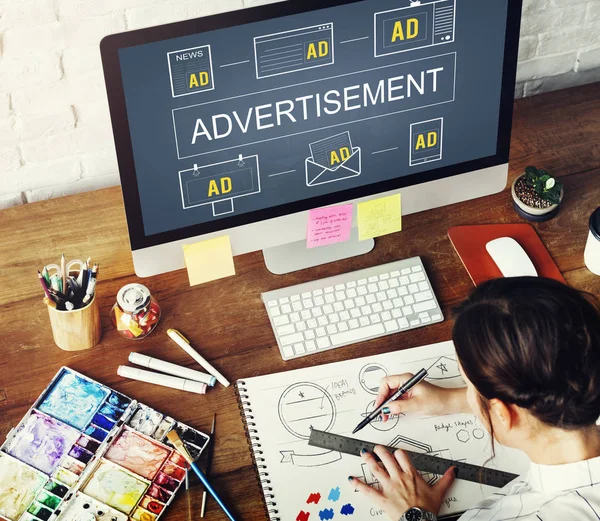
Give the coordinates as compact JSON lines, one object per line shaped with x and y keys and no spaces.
{"x":403,"y":390}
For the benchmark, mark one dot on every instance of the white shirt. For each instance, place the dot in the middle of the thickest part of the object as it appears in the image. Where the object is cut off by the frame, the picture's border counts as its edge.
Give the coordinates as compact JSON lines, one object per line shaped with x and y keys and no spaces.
{"x":546,"y":493}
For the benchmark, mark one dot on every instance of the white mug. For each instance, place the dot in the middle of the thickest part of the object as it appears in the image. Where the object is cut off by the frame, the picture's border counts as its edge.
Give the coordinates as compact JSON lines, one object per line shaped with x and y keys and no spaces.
{"x":592,"y":247}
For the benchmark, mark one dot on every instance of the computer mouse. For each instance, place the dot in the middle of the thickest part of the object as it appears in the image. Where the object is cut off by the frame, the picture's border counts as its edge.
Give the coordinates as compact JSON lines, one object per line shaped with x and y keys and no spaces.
{"x":510,"y":258}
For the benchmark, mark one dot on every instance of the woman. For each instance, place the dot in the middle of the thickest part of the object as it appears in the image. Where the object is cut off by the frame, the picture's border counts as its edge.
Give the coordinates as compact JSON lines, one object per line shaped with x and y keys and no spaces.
{"x":529,"y":351}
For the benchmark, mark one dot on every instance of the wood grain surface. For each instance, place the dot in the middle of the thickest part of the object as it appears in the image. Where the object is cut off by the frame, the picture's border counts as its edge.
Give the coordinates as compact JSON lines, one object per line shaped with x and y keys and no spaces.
{"x":226,"y":321}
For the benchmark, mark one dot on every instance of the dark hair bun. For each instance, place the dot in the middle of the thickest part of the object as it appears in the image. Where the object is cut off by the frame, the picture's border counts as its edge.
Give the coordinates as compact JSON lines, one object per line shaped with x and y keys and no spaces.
{"x":535,"y":343}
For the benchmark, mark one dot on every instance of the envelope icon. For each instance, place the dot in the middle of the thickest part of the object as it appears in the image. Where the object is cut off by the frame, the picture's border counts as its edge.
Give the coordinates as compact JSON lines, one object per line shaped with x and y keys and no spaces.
{"x":318,"y":175}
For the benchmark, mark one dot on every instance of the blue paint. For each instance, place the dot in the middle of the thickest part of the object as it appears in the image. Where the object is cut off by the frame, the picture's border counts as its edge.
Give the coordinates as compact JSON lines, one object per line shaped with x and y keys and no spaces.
{"x":111,"y":412}
{"x":73,"y":400}
{"x":334,"y":494}
{"x":103,"y":422}
{"x":95,"y":432}
{"x":347,"y":510}
{"x":326,"y":514}
{"x":119,"y":401}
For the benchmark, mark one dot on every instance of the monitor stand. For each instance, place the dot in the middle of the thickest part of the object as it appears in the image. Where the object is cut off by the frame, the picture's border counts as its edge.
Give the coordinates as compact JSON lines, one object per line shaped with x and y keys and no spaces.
{"x":296,"y":256}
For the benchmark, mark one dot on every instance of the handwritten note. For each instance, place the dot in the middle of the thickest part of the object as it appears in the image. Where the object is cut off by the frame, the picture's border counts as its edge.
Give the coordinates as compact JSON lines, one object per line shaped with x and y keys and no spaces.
{"x":379,"y":217}
{"x":329,"y":225}
{"x":209,"y":260}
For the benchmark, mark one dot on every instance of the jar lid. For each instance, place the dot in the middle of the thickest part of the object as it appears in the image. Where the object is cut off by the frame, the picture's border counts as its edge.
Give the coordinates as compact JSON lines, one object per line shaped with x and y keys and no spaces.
{"x":133,"y":298}
{"x":595,"y":223}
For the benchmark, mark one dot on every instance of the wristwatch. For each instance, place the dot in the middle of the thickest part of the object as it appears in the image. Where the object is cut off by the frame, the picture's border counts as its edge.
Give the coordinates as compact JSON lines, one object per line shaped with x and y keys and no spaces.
{"x":418,"y":514}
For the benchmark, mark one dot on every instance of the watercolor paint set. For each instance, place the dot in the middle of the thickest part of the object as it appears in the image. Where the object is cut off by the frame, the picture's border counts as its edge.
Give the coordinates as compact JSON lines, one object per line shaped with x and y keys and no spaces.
{"x":85,"y":452}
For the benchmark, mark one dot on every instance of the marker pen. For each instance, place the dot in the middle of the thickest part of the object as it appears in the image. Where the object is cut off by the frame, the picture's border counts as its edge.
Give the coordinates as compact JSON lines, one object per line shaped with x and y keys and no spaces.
{"x":184,"y":343}
{"x":161,"y":379}
{"x":169,"y":368}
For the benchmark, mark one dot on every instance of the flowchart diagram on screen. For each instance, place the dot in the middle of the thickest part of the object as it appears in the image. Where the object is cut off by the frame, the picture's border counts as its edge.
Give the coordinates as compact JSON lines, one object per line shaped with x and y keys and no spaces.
{"x":332,"y":159}
{"x":218,"y":184}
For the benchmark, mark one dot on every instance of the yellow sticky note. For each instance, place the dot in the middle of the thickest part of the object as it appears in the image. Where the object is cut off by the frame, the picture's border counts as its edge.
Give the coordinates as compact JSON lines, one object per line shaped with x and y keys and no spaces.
{"x":209,"y":260}
{"x":379,"y":217}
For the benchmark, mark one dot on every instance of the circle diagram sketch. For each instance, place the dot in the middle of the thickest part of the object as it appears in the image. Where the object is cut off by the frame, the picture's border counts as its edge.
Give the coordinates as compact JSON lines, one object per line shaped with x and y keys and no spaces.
{"x":370,"y":376}
{"x":305,"y":406}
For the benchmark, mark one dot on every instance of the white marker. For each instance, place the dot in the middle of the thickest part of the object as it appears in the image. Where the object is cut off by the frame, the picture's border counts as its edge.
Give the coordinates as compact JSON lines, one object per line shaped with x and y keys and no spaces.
{"x":185,"y":345}
{"x":161,"y":379}
{"x":169,"y":368}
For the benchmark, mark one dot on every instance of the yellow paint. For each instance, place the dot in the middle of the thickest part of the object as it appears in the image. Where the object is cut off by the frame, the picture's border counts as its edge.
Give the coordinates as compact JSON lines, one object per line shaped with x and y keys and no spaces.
{"x":18,"y":486}
{"x":209,"y":260}
{"x":379,"y":217}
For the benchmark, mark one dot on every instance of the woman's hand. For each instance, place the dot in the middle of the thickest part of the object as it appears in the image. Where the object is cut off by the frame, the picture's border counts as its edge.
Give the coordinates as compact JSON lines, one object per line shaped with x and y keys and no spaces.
{"x":424,"y":397}
{"x":402,"y":487}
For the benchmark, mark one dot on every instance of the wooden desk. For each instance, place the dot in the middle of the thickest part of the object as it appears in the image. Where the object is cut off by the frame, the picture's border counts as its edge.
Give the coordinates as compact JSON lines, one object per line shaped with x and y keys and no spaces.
{"x":226,"y":319}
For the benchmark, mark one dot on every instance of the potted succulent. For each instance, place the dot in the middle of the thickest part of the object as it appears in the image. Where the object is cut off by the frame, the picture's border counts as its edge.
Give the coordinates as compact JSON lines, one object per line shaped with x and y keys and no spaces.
{"x":536,"y":194}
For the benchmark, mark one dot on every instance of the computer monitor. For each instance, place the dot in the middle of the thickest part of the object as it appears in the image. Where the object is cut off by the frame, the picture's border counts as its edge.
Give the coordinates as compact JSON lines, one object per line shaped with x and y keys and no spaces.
{"x":240,"y":123}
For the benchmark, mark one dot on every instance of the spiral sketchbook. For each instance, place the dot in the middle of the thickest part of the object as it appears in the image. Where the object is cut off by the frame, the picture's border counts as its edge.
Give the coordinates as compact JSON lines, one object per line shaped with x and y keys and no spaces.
{"x":303,"y":483}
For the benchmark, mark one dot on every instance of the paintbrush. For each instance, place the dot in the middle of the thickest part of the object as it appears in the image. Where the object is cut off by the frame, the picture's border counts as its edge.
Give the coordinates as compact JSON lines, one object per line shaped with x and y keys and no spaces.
{"x":188,"y":495}
{"x":211,"y":449}
{"x":181,"y":448}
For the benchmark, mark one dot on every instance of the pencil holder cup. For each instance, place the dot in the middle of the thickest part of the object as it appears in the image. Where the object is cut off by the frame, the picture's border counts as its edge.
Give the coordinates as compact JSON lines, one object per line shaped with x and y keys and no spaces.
{"x":78,"y":329}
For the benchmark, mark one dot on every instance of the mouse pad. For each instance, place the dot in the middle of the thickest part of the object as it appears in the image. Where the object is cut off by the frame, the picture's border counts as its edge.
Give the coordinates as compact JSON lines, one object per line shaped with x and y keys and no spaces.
{"x":469,"y":242}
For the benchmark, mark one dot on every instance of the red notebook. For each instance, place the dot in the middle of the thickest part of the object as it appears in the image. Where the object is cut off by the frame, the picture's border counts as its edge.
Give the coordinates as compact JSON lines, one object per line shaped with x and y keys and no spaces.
{"x":469,"y":242}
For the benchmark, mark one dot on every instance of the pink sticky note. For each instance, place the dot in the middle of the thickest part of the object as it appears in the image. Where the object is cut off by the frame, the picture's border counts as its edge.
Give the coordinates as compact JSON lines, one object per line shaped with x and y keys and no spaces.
{"x":329,"y":225}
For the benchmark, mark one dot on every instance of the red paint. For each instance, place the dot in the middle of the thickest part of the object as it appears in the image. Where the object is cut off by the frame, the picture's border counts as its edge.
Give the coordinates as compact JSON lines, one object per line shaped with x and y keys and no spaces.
{"x":303,"y":516}
{"x":314,"y":498}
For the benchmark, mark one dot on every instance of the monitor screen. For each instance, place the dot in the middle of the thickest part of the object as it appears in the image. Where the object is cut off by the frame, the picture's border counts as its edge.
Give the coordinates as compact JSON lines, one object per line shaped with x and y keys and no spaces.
{"x":294,"y":111}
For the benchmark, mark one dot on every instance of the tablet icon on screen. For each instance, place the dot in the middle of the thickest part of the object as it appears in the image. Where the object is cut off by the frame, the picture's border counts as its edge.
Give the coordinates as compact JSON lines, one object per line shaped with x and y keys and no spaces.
{"x":426,"y":141}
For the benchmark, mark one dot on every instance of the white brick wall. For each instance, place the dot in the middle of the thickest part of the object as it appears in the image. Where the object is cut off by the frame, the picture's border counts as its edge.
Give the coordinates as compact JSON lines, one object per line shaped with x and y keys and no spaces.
{"x":55,"y":135}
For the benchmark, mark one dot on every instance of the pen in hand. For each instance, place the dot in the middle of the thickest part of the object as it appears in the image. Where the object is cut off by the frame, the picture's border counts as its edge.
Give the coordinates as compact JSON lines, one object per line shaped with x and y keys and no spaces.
{"x":404,"y":388}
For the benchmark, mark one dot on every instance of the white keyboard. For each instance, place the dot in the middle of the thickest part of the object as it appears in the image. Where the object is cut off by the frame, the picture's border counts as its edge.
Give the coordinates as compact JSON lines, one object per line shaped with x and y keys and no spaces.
{"x":352,"y":307}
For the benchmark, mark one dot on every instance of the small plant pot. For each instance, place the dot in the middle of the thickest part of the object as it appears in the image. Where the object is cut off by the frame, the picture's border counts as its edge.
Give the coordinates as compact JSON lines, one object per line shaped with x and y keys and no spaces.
{"x":538,"y":210}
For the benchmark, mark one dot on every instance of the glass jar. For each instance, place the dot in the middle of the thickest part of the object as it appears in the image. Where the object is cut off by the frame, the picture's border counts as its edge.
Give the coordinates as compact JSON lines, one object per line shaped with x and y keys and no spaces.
{"x":136,"y":312}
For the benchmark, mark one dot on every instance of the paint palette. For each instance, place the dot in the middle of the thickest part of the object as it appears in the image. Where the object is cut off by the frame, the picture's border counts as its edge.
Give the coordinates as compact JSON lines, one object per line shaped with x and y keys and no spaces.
{"x":84,"y":452}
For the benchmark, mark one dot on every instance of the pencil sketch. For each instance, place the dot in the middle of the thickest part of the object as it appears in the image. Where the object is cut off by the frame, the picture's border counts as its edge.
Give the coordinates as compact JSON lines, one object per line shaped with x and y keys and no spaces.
{"x":406,"y":443}
{"x":378,"y":424}
{"x":370,"y":377}
{"x":463,"y":436}
{"x":444,"y":368}
{"x":310,"y":460}
{"x":304,"y":406}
